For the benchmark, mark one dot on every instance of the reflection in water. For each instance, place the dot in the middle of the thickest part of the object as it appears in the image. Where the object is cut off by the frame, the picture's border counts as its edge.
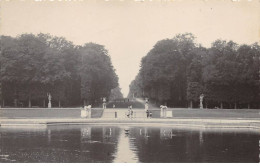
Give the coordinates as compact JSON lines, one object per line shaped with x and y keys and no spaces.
{"x":108,"y":144}
{"x":124,"y":153}
{"x":166,"y":133}
{"x":201,"y":137}
{"x":85,"y":133}
{"x":49,"y":136}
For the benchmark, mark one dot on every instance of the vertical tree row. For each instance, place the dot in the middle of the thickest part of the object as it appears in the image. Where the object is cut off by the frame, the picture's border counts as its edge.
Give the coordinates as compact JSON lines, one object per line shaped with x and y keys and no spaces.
{"x":177,"y":71}
{"x":33,"y":65}
{"x":97,"y":75}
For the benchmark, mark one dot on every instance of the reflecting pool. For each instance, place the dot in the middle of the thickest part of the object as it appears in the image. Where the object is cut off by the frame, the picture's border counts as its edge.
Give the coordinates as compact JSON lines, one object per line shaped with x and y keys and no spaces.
{"x":107,"y":144}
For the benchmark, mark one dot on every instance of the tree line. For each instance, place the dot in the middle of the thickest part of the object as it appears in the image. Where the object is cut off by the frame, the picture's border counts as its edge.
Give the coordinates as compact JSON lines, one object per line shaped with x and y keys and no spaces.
{"x":177,"y":71}
{"x":33,"y":65}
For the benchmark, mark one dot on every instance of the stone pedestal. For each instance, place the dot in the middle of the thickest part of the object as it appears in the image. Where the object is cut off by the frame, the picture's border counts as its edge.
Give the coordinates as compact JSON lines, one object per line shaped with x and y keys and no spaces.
{"x":164,"y":112}
{"x":169,"y":114}
{"x":83,"y":113}
{"x":49,"y":105}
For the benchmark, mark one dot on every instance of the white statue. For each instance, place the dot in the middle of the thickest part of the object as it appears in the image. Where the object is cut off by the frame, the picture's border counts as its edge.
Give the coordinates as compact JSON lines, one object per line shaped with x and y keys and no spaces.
{"x":146,"y":106}
{"x":104,"y":103}
{"x":163,"y":111}
{"x":86,"y":112}
{"x":49,"y":98}
{"x":201,"y":101}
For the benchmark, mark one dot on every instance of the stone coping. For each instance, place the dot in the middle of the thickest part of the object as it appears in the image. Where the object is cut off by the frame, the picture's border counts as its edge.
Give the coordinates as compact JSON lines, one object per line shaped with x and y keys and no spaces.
{"x":199,"y":123}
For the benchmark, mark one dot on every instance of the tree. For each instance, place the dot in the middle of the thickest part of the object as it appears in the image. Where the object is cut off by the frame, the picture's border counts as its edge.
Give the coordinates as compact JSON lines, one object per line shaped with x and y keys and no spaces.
{"x":179,"y":70}
{"x":195,"y":86}
{"x":136,"y":88}
{"x":116,"y":94}
{"x":98,"y":76}
{"x":33,"y":65}
{"x":163,"y":69}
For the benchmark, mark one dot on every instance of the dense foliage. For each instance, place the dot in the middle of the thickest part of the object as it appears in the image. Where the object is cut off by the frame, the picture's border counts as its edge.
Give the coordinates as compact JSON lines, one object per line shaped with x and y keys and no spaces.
{"x":116,"y":94}
{"x":33,"y":65}
{"x":177,"y":71}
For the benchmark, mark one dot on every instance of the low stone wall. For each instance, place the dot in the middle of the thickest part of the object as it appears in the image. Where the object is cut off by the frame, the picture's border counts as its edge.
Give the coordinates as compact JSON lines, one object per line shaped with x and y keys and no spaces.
{"x":186,"y":123}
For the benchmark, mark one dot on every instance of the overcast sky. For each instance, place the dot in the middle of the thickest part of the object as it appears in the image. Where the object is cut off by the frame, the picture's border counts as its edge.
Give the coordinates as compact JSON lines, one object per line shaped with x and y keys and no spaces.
{"x":129,"y":29}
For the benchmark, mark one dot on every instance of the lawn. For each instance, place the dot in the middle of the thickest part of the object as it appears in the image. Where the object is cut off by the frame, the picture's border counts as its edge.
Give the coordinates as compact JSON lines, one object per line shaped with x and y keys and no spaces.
{"x":96,"y":112}
{"x":134,"y":104}
{"x":47,"y":113}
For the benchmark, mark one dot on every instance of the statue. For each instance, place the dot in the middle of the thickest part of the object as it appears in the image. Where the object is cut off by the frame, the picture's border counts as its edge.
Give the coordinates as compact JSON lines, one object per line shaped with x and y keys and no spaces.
{"x":86,"y":112}
{"x":163,"y":111}
{"x":201,"y":101}
{"x":104,"y":103}
{"x":146,"y":106}
{"x":146,"y":100}
{"x":49,"y":98}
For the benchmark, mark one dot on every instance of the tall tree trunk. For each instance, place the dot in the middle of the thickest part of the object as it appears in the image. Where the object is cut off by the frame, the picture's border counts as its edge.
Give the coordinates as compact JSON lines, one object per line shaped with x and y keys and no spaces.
{"x":15,"y":102}
{"x":235,"y":105}
{"x":44,"y":103}
{"x":15,"y":94}
{"x":3,"y":103}
{"x":221,"y":105}
{"x":85,"y":103}
{"x":59,"y":104}
{"x":248,"y":105}
{"x":29,"y":104}
{"x":191,"y":104}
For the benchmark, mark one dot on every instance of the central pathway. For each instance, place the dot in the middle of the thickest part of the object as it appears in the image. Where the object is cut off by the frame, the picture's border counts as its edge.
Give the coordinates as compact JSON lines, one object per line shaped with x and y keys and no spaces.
{"x":121,"y":113}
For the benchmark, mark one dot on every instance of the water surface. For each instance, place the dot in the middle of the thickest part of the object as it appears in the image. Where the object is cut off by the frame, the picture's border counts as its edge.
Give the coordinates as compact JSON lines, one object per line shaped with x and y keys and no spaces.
{"x":87,"y":143}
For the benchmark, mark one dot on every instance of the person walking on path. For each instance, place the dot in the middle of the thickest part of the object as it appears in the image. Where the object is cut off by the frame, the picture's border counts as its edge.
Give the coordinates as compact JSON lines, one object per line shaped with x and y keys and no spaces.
{"x":147,"y":114}
{"x":128,"y":113}
{"x":131,"y":112}
{"x":146,"y":109}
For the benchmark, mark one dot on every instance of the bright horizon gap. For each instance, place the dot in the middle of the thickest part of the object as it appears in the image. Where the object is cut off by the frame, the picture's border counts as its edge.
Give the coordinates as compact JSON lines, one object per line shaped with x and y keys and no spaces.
{"x":129,"y":30}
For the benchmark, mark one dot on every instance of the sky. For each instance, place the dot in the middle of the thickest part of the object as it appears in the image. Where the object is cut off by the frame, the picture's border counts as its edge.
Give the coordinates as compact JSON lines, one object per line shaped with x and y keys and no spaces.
{"x":129,"y":29}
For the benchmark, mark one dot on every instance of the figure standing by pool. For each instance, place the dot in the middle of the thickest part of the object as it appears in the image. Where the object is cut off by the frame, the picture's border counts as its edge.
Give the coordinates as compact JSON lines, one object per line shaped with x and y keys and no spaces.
{"x":146,"y":109}
{"x":128,"y":113}
{"x":131,"y":111}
